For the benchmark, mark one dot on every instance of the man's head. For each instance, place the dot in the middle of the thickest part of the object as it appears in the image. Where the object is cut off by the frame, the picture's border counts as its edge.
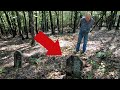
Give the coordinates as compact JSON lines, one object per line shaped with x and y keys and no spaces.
{"x":87,"y":16}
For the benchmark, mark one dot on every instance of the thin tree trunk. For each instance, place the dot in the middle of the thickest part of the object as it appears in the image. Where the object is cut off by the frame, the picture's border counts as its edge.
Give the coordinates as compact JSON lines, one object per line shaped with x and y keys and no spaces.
{"x":115,"y":15}
{"x":118,"y":23}
{"x":91,"y":13}
{"x":14,"y":22}
{"x":47,"y":24}
{"x":45,"y":21}
{"x":9,"y":23}
{"x":62,"y":21}
{"x":2,"y":26}
{"x":19,"y":24}
{"x":101,"y":21}
{"x":25,"y":25}
{"x":36,"y":22}
{"x":110,"y":21}
{"x":57,"y":15}
{"x":42,"y":23}
{"x":75,"y":19}
{"x":71,"y":18}
{"x":31,"y":27}
{"x":51,"y":20}
{"x":1,"y":29}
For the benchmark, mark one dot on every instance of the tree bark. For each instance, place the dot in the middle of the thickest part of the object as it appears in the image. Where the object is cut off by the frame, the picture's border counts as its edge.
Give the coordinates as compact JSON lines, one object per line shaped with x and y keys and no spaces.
{"x":115,"y":15}
{"x":42,"y":23}
{"x":71,"y":18}
{"x":75,"y":19}
{"x":117,"y":28}
{"x":25,"y":25}
{"x":9,"y":23}
{"x":19,"y":24}
{"x":36,"y":22}
{"x":14,"y":22}
{"x":57,"y":15}
{"x":51,"y":20}
{"x":31,"y":27}
{"x":62,"y":21}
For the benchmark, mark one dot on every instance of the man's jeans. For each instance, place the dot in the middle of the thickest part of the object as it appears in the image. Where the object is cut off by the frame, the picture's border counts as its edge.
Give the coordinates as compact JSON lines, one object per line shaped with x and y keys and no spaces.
{"x":85,"y":36}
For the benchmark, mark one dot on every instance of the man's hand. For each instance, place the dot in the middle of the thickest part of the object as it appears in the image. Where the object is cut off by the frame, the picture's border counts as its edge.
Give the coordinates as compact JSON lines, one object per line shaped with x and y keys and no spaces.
{"x":92,"y":32}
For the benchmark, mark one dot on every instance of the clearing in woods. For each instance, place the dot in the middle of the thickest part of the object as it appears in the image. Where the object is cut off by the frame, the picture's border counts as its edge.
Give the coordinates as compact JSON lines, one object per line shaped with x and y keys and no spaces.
{"x":54,"y":68}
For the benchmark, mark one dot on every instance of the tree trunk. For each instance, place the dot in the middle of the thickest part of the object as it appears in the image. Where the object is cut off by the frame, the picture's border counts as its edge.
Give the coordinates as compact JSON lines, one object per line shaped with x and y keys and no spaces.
{"x":45,"y":21}
{"x":57,"y":15}
{"x":111,"y":21}
{"x":1,"y":29}
{"x":19,"y":24}
{"x":51,"y":20}
{"x":91,"y":13}
{"x":25,"y":25}
{"x":39,"y":20}
{"x":2,"y":26}
{"x":115,"y":15}
{"x":75,"y":19}
{"x":9,"y":23}
{"x":62,"y":21}
{"x":47,"y":24}
{"x":14,"y":22}
{"x":71,"y":18}
{"x":101,"y":21}
{"x":117,"y":28}
{"x":42,"y":23}
{"x":36,"y":22}
{"x":31,"y":27}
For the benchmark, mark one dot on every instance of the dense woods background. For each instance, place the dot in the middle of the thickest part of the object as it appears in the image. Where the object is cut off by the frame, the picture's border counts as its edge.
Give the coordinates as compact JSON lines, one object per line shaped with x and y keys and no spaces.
{"x":20,"y":27}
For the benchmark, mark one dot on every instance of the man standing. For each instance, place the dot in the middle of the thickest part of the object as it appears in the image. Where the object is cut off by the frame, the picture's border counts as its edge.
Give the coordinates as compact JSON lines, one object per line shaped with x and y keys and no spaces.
{"x":85,"y":24}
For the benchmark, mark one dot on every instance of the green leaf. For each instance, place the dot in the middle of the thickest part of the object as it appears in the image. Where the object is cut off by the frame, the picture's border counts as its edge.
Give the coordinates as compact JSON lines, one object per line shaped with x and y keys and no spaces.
{"x":101,"y":54}
{"x":2,"y":70}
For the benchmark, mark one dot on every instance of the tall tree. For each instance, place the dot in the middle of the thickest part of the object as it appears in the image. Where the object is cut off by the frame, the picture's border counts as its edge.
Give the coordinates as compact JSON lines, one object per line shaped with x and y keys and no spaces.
{"x":1,"y":29}
{"x":75,"y":19}
{"x":47,"y":24}
{"x":101,"y":21}
{"x":91,"y":12}
{"x":62,"y":21}
{"x":14,"y":22}
{"x":57,"y":15}
{"x":115,"y":15}
{"x":111,"y":20}
{"x":71,"y":18}
{"x":25,"y":25}
{"x":45,"y":21}
{"x":36,"y":22}
{"x":2,"y":26}
{"x":118,"y":23}
{"x":51,"y":20}
{"x":42,"y":22}
{"x":19,"y":24}
{"x":31,"y":27}
{"x":9,"y":23}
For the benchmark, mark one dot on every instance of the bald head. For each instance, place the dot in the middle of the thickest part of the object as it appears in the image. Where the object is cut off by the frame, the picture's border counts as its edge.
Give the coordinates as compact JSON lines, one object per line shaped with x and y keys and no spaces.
{"x":87,"y":16}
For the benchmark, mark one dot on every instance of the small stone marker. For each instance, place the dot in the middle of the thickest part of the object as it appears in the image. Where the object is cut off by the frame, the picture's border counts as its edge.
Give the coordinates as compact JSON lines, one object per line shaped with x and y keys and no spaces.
{"x":73,"y":67}
{"x":18,"y":59}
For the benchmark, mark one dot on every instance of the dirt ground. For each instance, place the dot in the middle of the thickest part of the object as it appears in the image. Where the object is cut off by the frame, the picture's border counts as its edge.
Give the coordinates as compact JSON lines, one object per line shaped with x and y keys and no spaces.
{"x":54,"y":67}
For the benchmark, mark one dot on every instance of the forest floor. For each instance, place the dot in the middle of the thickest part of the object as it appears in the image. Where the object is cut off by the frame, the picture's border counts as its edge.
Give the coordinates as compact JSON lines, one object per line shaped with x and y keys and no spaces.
{"x":54,"y":68}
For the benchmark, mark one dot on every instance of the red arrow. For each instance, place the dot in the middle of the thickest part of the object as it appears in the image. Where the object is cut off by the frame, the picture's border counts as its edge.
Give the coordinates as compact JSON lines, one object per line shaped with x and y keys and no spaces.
{"x":44,"y":40}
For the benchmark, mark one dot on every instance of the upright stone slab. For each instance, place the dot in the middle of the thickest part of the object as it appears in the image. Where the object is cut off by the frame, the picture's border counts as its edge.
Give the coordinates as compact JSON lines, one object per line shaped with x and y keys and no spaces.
{"x":18,"y":59}
{"x":74,"y":67}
